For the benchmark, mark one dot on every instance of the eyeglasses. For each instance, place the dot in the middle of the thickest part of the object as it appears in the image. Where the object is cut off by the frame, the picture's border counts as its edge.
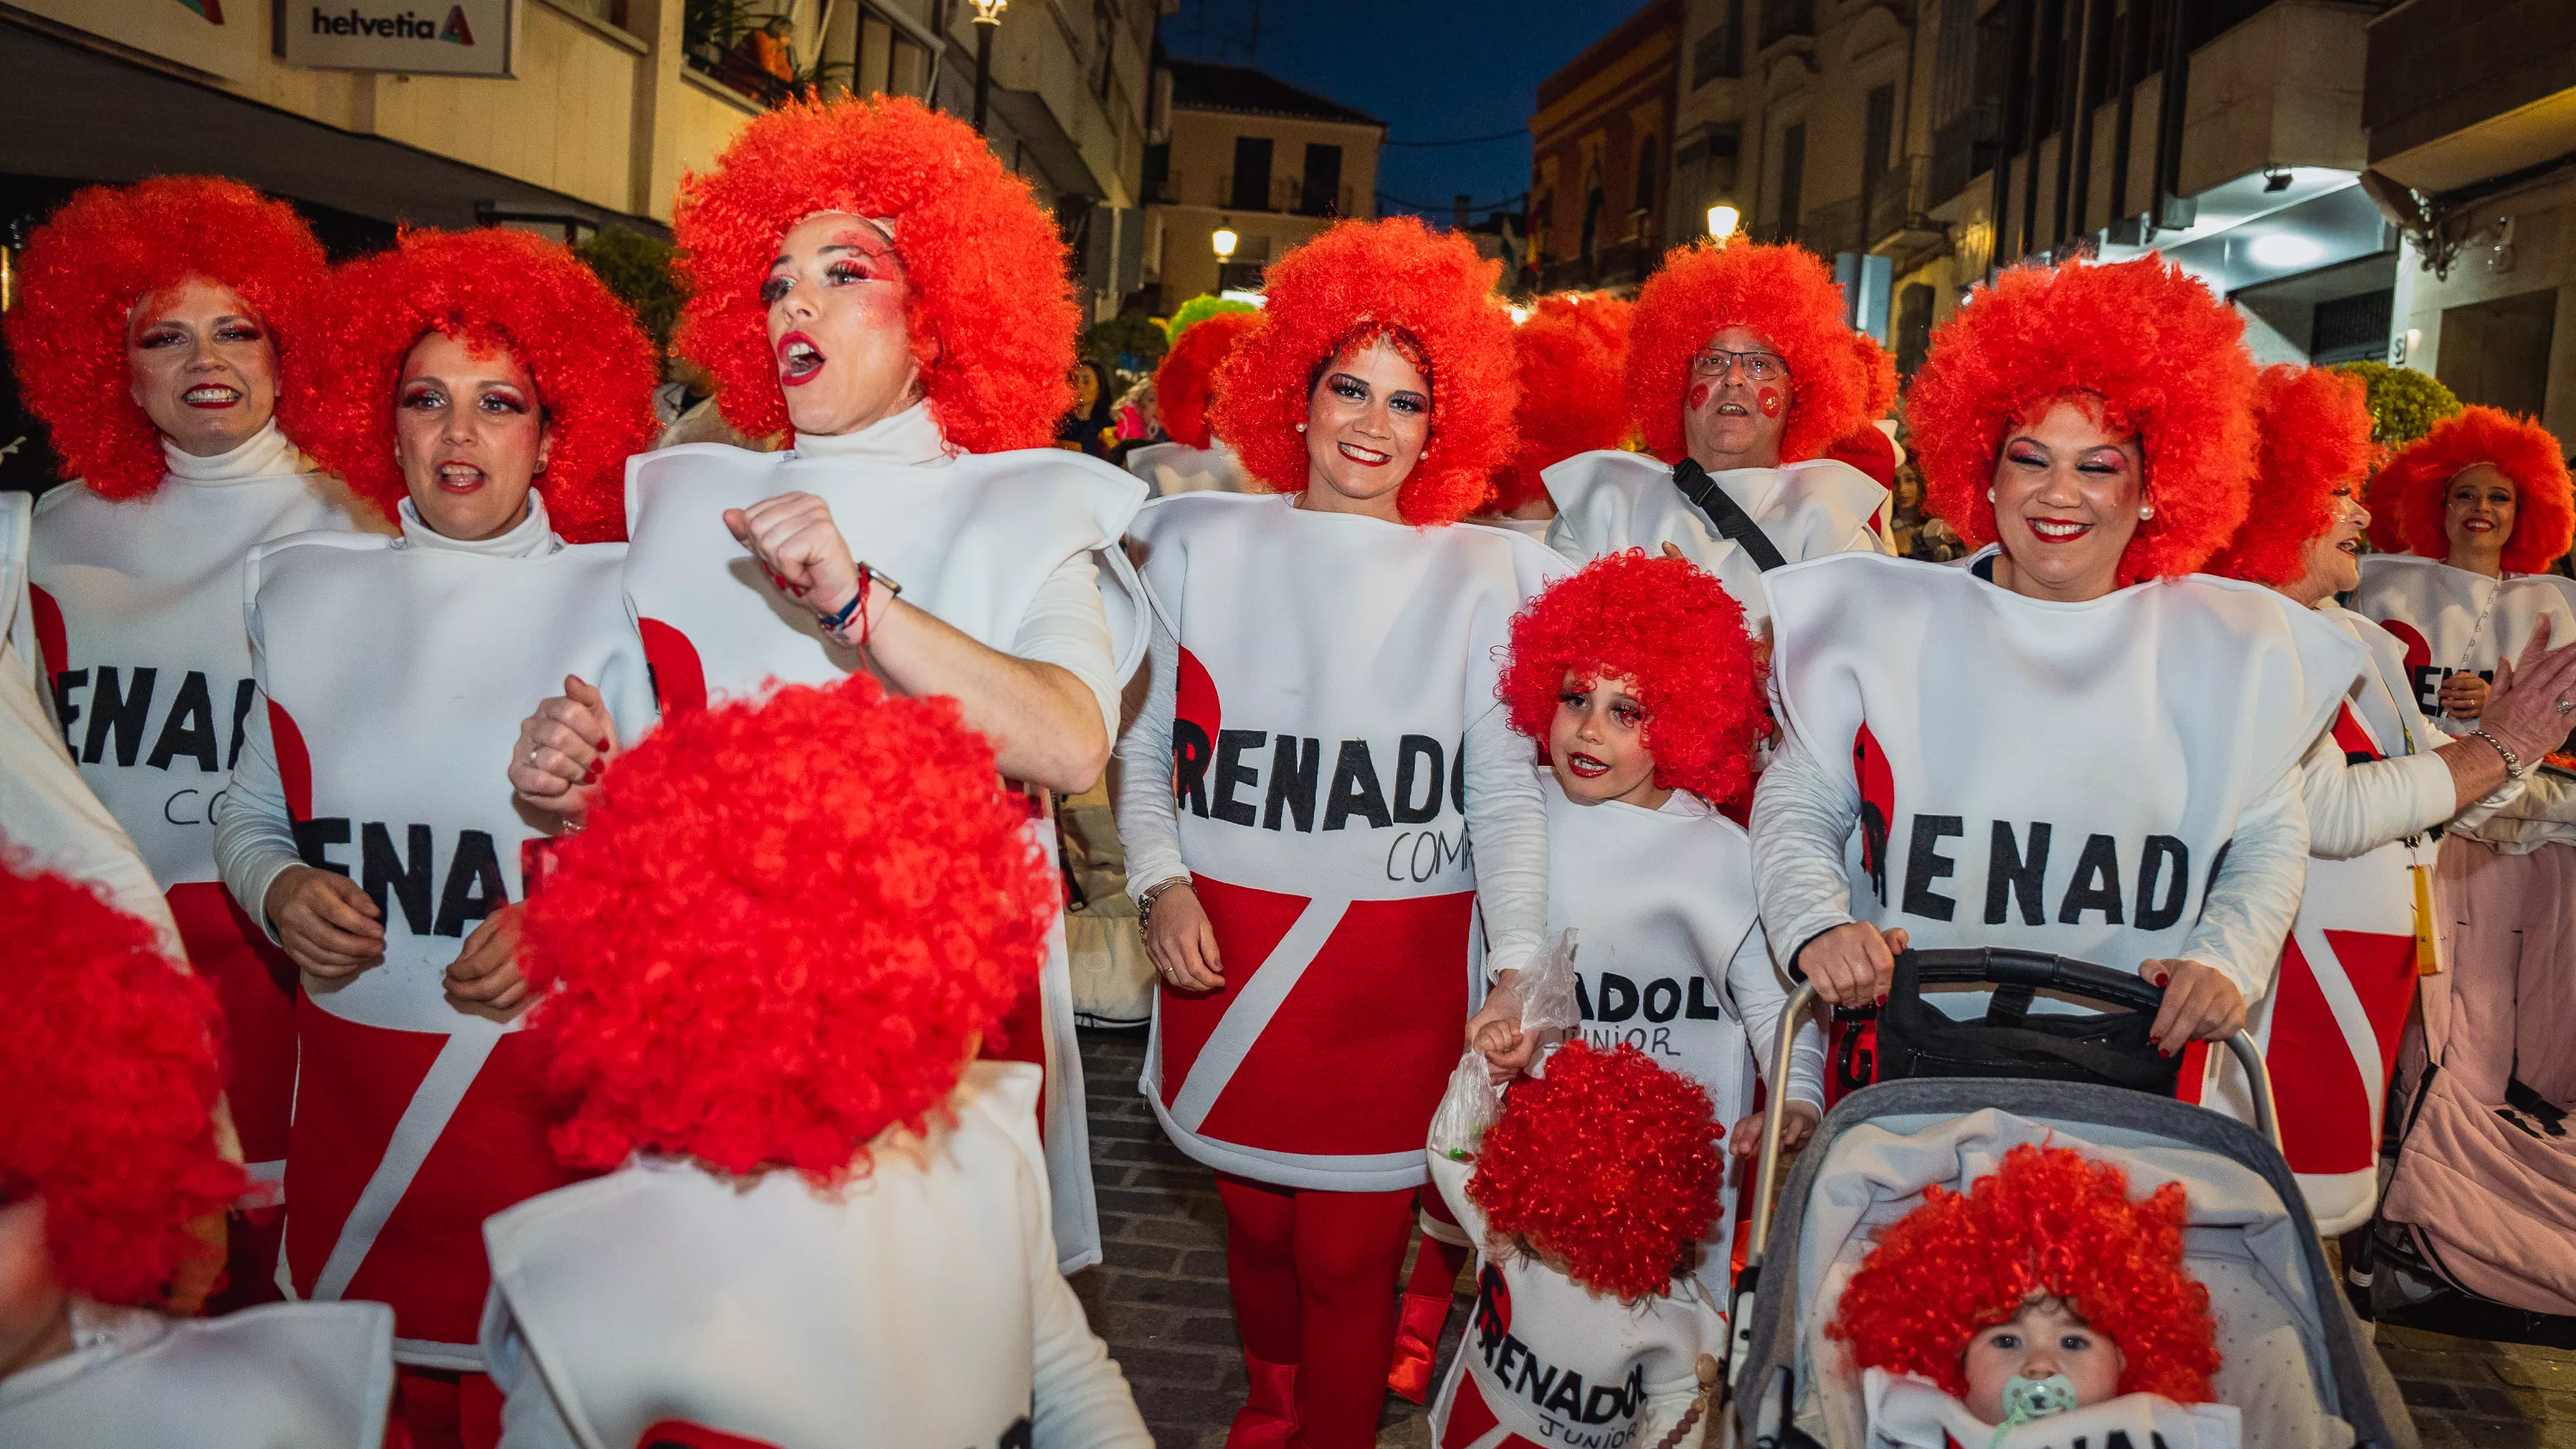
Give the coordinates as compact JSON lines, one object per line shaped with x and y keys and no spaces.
{"x":1757,"y":366}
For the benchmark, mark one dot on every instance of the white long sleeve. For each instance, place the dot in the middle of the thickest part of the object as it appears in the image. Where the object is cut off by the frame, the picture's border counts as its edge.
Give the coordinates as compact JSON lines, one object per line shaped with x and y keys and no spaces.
{"x":1149,"y":820}
{"x":254,"y":833}
{"x":2246,"y":914}
{"x":1080,"y":1399}
{"x":1067,"y":625}
{"x":49,"y":814}
{"x":2354,"y":809}
{"x":1761,"y":993}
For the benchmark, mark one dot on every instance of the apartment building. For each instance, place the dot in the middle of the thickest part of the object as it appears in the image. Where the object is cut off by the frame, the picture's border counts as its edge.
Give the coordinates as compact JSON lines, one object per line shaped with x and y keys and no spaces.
{"x":1245,"y":155}
{"x":1601,"y":158}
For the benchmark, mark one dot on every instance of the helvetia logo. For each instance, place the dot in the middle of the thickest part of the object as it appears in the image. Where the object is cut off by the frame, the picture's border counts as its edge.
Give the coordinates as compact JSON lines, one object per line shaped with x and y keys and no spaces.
{"x":409,"y":25}
{"x":211,"y":10}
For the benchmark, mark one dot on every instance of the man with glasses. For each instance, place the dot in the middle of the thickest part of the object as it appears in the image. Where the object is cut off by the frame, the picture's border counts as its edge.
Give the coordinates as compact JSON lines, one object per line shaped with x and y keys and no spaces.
{"x":1741,"y":374}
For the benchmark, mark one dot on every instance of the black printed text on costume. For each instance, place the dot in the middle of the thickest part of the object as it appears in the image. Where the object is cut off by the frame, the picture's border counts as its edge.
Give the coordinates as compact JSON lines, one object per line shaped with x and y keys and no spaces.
{"x":1297,"y":782}
{"x":109,"y":712}
{"x":2034,"y":874}
{"x":400,"y":866}
{"x":1557,"y":1393}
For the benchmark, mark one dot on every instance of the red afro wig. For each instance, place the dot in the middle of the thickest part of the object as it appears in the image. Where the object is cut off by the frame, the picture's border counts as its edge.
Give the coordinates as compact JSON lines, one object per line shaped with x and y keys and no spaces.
{"x":488,"y":289}
{"x":1359,"y":280}
{"x":2387,"y":530}
{"x":992,"y":317}
{"x":1672,"y":628}
{"x":1610,"y":1162}
{"x":2312,"y":436}
{"x":1871,"y":451}
{"x":108,"y":249}
{"x":1181,"y":383}
{"x":1572,"y":351}
{"x":1838,"y":379}
{"x":2419,"y":476}
{"x":2147,"y":346}
{"x":108,"y":1079}
{"x":782,"y":930}
{"x":2049,"y":1222}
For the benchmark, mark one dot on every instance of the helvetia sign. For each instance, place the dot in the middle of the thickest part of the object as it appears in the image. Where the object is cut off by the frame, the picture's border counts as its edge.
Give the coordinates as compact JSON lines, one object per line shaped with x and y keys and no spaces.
{"x":419,"y":37}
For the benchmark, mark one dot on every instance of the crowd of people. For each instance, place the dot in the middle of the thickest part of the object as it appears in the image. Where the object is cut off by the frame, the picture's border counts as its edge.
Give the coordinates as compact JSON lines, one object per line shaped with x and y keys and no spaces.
{"x":529,"y":937}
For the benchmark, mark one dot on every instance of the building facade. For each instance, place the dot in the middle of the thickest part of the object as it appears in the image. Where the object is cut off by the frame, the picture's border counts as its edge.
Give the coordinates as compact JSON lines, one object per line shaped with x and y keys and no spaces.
{"x":1240,"y":151}
{"x":1602,"y":159}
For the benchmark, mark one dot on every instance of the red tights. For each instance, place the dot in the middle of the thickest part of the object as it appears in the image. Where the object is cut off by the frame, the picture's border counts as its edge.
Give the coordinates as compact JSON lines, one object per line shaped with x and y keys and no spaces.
{"x":1313,"y":1278}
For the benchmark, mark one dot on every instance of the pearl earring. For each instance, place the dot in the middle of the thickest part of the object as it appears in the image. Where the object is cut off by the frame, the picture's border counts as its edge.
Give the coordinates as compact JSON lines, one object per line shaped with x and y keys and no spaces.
{"x":2146,"y":511}
{"x":1990,"y":495}
{"x":1301,"y":427}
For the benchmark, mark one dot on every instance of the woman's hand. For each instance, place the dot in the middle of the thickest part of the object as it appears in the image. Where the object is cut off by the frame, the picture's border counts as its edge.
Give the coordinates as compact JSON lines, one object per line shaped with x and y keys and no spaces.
{"x":2201,"y":1004}
{"x":1797,"y":1124}
{"x":2464,"y":696}
{"x":1181,"y":943}
{"x":1495,"y":1031}
{"x":1852,"y":964}
{"x":794,"y":538}
{"x":486,"y":972}
{"x":327,"y":924}
{"x":2522,"y":708}
{"x":561,"y":750}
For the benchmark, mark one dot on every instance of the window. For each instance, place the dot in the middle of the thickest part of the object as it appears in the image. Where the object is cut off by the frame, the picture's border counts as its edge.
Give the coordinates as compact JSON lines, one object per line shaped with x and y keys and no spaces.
{"x":1877,"y":138}
{"x":1645,"y":192}
{"x":1592,"y":204}
{"x":1158,"y":172}
{"x":1719,"y":54}
{"x":1322,"y":193}
{"x":1793,"y":178}
{"x":1251,"y":189}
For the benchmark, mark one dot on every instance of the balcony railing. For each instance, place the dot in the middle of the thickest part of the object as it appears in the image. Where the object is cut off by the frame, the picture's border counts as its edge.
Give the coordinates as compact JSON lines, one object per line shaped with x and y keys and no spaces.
{"x":1287,"y":196}
{"x":1787,"y":20}
{"x":1961,"y":148}
{"x":1899,"y":199}
{"x":1826,"y":230}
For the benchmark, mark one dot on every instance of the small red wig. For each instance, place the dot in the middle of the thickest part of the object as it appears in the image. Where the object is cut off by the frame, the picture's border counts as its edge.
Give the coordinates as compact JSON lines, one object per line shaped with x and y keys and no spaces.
{"x":1360,"y":280}
{"x":2050,"y":1222}
{"x":1572,"y":351}
{"x":1838,"y":379}
{"x":1181,"y":383}
{"x":992,"y":316}
{"x":783,"y":930}
{"x":108,"y":1077}
{"x":109,"y":248}
{"x":2157,"y":355}
{"x":489,"y":289}
{"x":1610,"y":1162}
{"x":2418,"y":478}
{"x":1871,"y":451}
{"x":2312,"y":436}
{"x":2387,"y":530}
{"x":1672,"y":628}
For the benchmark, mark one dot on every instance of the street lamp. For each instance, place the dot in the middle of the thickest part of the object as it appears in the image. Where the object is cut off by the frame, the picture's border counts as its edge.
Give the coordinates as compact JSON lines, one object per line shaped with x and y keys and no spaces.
{"x":1721,"y":221}
{"x":988,"y":18}
{"x":1223,"y":239}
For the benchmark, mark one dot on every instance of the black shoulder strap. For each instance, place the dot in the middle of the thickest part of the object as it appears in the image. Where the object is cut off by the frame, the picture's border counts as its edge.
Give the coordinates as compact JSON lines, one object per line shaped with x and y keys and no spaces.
{"x":1727,"y":514}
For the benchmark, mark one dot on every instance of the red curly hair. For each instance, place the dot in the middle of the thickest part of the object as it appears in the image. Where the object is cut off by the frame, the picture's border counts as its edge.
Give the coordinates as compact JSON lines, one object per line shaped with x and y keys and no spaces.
{"x":2050,"y":1222}
{"x":2150,"y":349}
{"x":2387,"y":530}
{"x":1672,"y":628}
{"x":2312,"y":436}
{"x":1838,"y":379}
{"x":1610,"y":1162}
{"x":1181,"y":383}
{"x":1572,"y":351}
{"x":109,"y":1072}
{"x":107,"y":250}
{"x":782,"y":930}
{"x":2417,"y":479}
{"x":991,"y":317}
{"x":489,"y":289}
{"x":1355,"y":281}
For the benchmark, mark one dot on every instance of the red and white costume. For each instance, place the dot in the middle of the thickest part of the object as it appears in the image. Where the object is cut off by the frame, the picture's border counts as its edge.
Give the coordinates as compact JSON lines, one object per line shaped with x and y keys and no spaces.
{"x":2453,"y":620}
{"x":1008,"y":548}
{"x":1547,"y":1361}
{"x":1179,"y":468}
{"x":392,"y":674}
{"x":278,"y":1376}
{"x":138,"y":615}
{"x":921,"y":1301}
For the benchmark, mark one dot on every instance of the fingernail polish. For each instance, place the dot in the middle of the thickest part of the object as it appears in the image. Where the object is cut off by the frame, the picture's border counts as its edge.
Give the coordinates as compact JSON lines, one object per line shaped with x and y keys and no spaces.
{"x":591,"y":775}
{"x":600,"y":745}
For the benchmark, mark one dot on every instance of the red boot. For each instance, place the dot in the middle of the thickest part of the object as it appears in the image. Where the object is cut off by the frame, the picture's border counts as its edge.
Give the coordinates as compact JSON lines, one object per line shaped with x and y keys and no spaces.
{"x":1417,"y":1342}
{"x":1268,"y":1419}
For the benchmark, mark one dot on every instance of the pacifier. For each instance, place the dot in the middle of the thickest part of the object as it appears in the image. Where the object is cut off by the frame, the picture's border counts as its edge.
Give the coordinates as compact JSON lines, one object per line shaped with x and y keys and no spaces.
{"x":2028,"y":1399}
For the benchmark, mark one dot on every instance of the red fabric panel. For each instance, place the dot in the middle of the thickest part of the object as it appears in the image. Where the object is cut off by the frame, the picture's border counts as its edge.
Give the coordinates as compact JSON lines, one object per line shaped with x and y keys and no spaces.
{"x":52,"y":642}
{"x":679,"y":679}
{"x":2351,"y":737}
{"x":675,"y":1434}
{"x":355,"y":1082}
{"x":256,"y":984}
{"x":1248,"y":924}
{"x":1469,"y":1417}
{"x":1354,"y":1061}
{"x":2382,"y":971}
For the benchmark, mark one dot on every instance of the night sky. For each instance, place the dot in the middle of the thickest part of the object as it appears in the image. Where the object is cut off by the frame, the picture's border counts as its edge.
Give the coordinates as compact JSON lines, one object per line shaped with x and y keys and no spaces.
{"x":1432,"y":70}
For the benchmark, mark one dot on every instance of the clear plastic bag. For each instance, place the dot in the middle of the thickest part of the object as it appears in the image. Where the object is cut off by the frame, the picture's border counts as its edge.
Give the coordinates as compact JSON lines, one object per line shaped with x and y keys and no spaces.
{"x":1467,"y":1109}
{"x":1550,"y":1011}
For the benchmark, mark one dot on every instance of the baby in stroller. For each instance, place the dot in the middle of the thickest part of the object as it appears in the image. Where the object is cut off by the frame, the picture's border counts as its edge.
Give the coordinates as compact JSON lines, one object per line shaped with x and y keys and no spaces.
{"x":2043,"y":1293}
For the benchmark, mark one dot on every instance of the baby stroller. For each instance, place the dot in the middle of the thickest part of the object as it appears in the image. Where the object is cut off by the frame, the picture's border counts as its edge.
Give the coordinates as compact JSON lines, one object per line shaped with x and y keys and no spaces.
{"x":2296,"y":1363}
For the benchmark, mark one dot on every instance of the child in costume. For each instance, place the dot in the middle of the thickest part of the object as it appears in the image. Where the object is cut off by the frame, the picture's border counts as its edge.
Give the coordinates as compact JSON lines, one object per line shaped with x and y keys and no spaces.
{"x":2043,"y":1293}
{"x":1644,"y":692}
{"x":111,"y":1187}
{"x":772,"y":956}
{"x":1589,"y":1197}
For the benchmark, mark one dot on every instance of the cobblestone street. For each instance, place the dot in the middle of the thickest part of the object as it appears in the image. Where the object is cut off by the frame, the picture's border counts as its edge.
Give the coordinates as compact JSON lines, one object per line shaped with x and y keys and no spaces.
{"x":1159,"y":1298}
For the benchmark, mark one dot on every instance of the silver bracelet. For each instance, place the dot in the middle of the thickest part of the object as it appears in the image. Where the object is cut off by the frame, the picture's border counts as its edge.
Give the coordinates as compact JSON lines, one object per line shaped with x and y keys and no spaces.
{"x":2512,"y":762}
{"x":1151,"y":894}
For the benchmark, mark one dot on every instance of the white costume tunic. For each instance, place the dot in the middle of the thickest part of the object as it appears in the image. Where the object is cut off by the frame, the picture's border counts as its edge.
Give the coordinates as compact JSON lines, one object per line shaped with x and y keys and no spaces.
{"x":395,"y":673}
{"x":1546,"y":1361}
{"x":2453,"y":620}
{"x":1670,"y":957}
{"x":1179,"y":468}
{"x":1611,"y":500}
{"x":138,"y":614}
{"x":46,"y":813}
{"x":1312,"y":753}
{"x":1985,"y":769}
{"x":279,"y":1376}
{"x":1011,"y":549}
{"x":918,"y":1304}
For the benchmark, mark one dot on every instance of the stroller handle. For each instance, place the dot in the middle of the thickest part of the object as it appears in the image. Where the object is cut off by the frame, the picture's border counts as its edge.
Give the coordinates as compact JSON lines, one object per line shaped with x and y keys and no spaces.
{"x":2004,"y":966}
{"x":1766,"y":1182}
